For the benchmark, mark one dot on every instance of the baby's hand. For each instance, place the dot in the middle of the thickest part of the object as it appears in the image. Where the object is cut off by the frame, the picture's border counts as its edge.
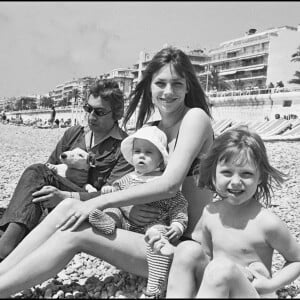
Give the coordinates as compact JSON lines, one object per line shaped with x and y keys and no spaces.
{"x":158,"y":242}
{"x":107,"y":189}
{"x":174,"y":232}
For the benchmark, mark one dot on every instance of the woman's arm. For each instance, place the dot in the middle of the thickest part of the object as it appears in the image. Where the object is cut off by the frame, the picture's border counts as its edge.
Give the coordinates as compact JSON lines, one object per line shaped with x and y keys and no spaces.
{"x":195,"y":136}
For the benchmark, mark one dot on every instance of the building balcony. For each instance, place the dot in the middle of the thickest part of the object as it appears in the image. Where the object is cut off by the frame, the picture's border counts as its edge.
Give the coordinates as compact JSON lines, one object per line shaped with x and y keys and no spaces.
{"x":248,"y":54}
{"x":244,"y":78}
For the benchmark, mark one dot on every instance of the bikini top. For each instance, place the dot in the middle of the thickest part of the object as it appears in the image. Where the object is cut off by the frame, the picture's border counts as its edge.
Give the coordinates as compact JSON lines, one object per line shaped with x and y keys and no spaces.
{"x":194,"y":169}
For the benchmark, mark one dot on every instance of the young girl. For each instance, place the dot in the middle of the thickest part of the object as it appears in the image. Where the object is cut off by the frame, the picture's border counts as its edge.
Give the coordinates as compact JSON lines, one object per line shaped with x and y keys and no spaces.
{"x":146,"y":151}
{"x":239,"y":234}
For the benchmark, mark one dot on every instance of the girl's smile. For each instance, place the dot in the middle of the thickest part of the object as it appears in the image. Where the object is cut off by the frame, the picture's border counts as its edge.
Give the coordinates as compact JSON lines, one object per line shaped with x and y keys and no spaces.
{"x":236,"y":183}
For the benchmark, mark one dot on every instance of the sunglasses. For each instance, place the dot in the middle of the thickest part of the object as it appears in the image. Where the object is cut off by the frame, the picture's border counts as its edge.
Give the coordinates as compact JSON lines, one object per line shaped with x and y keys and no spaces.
{"x":98,"y":111}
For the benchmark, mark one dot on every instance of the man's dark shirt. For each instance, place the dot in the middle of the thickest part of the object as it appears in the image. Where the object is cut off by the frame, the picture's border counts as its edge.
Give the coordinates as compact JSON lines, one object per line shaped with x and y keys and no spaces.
{"x":108,"y":159}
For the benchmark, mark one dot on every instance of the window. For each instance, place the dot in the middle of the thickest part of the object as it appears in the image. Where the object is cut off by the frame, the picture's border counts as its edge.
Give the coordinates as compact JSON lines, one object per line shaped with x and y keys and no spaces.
{"x":287,"y":103}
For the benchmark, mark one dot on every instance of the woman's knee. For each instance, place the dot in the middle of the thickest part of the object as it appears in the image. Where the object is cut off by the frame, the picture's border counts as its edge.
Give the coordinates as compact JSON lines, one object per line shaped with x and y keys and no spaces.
{"x":66,"y":204}
{"x":220,"y":271}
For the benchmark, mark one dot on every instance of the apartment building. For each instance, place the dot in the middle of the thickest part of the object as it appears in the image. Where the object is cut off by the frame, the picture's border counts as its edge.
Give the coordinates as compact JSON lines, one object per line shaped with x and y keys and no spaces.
{"x":65,"y":90}
{"x":256,"y":59}
{"x":123,"y":76}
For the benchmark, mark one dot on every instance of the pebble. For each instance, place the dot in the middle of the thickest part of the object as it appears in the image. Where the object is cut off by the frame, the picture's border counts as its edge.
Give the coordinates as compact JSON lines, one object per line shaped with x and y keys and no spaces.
{"x":88,"y":277}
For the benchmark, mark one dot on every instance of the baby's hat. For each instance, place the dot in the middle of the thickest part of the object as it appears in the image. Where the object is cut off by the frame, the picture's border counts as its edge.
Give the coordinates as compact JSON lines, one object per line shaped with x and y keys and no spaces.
{"x":150,"y":133}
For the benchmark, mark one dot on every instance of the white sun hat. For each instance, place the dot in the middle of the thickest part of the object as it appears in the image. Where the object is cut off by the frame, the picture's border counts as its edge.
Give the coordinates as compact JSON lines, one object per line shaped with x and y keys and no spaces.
{"x":150,"y":133}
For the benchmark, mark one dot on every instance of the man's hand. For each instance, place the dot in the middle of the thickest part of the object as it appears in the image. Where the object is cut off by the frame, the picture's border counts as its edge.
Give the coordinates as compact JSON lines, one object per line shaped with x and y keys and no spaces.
{"x":49,"y":196}
{"x":143,"y":214}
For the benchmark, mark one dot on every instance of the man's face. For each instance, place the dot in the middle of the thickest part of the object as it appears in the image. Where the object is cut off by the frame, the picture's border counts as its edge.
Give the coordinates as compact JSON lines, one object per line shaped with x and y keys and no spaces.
{"x":103,"y":121}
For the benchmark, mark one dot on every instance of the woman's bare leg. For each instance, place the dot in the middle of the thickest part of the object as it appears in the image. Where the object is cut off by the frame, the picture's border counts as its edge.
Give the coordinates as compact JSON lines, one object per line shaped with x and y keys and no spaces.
{"x":186,"y":270}
{"x":224,"y":279}
{"x":38,"y":235}
{"x":54,"y":254}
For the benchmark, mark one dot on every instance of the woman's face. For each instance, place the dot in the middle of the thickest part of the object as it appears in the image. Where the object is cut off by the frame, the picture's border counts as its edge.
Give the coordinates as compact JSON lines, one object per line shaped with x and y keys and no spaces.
{"x":168,"y":89}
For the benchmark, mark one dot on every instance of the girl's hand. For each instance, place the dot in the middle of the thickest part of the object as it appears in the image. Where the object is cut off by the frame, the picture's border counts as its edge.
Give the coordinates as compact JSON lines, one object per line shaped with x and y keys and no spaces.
{"x":79,"y":214}
{"x":49,"y":196}
{"x":261,"y":283}
{"x":143,"y":214}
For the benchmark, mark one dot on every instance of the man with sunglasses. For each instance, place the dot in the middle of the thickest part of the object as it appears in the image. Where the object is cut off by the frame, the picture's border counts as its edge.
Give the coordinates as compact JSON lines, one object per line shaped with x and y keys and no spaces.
{"x":39,"y":187}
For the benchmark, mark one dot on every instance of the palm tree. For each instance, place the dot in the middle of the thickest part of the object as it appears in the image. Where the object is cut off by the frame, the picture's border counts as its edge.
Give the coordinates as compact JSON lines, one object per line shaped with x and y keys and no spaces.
{"x":214,"y":80}
{"x":296,"y":55}
{"x":75,"y":95}
{"x":296,"y":58}
{"x":296,"y":80}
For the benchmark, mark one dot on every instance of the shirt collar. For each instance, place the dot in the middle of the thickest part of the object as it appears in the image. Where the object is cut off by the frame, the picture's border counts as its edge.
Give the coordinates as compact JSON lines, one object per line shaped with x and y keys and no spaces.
{"x":115,"y":132}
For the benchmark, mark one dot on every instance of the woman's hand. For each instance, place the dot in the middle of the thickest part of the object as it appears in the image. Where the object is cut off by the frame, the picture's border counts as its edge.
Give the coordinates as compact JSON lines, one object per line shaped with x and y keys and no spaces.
{"x":79,"y":214}
{"x":49,"y":196}
{"x":143,"y":214}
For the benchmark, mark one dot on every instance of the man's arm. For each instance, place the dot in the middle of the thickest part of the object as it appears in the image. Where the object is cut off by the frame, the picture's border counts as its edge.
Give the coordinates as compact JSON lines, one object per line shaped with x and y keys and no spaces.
{"x":64,"y":144}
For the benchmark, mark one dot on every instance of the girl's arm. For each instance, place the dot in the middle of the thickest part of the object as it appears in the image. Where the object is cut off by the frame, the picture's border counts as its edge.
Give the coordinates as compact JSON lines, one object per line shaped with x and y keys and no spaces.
{"x":279,"y":237}
{"x":205,"y":239}
{"x":195,"y":134}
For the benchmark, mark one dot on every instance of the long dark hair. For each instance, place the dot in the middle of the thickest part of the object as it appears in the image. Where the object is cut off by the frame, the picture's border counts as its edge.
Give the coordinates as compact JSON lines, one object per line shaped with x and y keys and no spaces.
{"x":195,"y":96}
{"x":242,"y":145}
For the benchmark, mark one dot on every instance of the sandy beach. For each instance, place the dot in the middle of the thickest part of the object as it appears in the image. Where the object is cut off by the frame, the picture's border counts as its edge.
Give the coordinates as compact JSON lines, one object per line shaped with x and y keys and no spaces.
{"x":89,"y":277}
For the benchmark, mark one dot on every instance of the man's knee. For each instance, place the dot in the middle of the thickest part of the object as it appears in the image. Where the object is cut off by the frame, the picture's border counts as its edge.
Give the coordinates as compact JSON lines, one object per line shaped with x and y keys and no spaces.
{"x":36,"y":167}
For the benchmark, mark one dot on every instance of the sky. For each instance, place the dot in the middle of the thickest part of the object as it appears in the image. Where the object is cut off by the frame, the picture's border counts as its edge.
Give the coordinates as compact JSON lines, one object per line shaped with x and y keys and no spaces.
{"x":44,"y":44}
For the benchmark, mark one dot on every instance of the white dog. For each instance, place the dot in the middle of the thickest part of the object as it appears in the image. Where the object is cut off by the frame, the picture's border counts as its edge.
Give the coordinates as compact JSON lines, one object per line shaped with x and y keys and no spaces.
{"x":75,"y":166}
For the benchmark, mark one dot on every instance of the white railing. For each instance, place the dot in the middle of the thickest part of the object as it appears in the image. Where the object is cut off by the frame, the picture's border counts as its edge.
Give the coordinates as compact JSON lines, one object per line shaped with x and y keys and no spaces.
{"x":212,"y":94}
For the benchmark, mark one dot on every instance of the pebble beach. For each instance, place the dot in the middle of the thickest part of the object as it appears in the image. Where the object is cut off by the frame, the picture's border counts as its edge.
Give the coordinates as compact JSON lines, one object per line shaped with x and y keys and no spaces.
{"x":89,"y":277}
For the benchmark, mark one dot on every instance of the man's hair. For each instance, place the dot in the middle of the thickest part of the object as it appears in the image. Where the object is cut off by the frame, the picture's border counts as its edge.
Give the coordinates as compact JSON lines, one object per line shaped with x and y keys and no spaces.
{"x":109,"y":91}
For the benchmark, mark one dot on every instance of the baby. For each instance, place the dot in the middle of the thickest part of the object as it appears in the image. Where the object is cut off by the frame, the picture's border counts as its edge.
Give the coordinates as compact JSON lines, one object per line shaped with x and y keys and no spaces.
{"x":146,"y":151}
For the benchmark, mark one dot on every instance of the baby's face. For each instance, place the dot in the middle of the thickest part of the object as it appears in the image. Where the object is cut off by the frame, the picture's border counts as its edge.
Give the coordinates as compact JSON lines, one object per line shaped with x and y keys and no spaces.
{"x":145,"y":156}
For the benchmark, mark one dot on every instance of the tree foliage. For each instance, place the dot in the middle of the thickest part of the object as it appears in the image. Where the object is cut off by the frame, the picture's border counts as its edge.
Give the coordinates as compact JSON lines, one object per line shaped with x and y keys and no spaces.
{"x":296,"y":58}
{"x":296,"y":55}
{"x":297,"y":79}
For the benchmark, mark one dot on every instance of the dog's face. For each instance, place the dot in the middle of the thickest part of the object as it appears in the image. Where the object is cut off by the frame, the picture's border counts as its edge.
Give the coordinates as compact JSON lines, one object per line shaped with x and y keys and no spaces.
{"x":76,"y":159}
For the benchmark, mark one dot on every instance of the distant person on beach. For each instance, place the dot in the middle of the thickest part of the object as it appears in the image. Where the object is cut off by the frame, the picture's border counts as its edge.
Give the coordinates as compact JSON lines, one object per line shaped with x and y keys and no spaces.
{"x":170,"y":84}
{"x":102,"y":137}
{"x":3,"y":116}
{"x":52,"y":116}
{"x":239,"y":234}
{"x":146,"y":151}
